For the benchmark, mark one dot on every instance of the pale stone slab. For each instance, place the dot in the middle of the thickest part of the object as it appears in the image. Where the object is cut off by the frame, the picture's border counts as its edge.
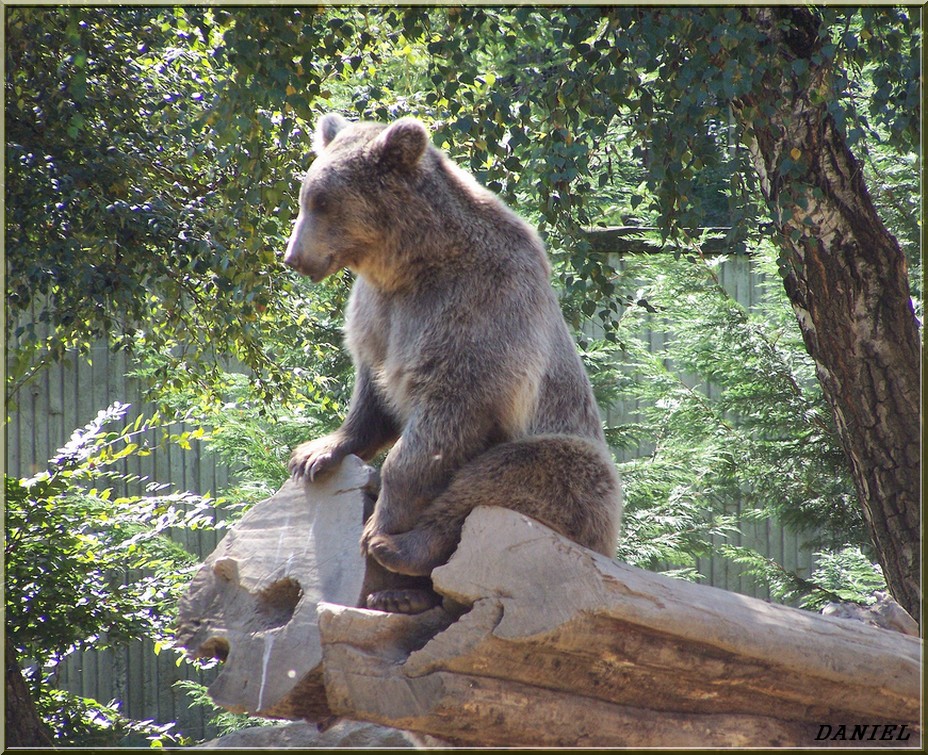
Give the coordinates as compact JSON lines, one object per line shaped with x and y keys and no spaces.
{"x":253,"y":602}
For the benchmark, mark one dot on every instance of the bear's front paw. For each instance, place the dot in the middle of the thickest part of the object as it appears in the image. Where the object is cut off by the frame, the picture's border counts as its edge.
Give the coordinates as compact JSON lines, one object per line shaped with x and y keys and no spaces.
{"x":316,"y":458}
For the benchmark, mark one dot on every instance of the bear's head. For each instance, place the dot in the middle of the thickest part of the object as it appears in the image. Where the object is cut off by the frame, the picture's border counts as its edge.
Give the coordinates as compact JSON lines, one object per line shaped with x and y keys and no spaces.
{"x":355,"y":197}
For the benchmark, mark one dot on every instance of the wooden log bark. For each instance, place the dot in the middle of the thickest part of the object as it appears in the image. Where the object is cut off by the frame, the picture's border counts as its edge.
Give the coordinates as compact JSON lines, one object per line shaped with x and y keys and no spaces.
{"x":539,"y":642}
{"x":544,"y":643}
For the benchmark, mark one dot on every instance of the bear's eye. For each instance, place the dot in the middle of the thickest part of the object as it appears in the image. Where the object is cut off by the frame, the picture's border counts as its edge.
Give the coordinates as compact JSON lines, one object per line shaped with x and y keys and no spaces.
{"x":319,"y":202}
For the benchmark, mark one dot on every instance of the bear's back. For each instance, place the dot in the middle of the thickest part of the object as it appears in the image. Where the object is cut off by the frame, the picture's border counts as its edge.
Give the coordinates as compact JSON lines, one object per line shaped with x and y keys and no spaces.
{"x":512,"y":260}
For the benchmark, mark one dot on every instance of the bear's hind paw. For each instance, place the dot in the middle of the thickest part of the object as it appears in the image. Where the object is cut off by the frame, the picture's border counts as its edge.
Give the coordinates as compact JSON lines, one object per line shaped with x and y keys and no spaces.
{"x":407,"y":601}
{"x":403,"y":553}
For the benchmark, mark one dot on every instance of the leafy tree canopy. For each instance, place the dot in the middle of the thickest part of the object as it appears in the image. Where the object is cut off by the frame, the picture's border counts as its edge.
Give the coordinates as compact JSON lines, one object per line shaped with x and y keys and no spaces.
{"x":153,"y":154}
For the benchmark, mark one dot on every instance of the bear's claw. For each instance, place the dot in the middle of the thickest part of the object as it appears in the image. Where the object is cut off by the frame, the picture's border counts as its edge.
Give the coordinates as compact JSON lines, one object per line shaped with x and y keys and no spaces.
{"x":313,"y":460}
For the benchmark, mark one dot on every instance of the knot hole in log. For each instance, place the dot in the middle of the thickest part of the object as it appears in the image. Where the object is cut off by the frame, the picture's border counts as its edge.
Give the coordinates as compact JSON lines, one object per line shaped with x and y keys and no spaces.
{"x":277,"y":602}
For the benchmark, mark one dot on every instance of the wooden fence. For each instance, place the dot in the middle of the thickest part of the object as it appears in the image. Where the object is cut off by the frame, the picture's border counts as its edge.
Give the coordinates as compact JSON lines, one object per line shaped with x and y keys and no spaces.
{"x":47,"y":410}
{"x":66,"y":397}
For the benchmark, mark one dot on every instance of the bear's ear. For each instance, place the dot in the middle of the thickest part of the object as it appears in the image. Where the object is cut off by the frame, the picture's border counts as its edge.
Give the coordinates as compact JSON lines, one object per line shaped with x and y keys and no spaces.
{"x":329,"y":125}
{"x":402,"y":144}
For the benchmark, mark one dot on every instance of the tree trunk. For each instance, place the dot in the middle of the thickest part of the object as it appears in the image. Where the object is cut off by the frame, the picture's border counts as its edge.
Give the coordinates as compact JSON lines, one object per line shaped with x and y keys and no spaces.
{"x":846,"y":278}
{"x":24,"y":728}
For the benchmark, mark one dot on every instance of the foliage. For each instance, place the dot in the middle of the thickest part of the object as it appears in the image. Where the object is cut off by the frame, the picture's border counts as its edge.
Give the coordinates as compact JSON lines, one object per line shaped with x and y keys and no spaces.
{"x":90,"y":564}
{"x":732,"y":425}
{"x":128,"y":220}
{"x":84,"y":722}
{"x":224,"y":721}
{"x":245,"y":432}
{"x":843,"y":575}
{"x":848,"y":574}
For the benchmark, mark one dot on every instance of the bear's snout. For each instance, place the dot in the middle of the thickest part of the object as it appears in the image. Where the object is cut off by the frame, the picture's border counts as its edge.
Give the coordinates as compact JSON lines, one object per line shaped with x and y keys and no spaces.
{"x":301,"y":252}
{"x":315,"y":270}
{"x":292,"y":255}
{"x":292,"y":260}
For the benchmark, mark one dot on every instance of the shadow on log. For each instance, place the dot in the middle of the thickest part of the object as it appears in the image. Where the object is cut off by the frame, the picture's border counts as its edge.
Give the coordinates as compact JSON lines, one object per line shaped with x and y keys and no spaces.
{"x":540,"y":643}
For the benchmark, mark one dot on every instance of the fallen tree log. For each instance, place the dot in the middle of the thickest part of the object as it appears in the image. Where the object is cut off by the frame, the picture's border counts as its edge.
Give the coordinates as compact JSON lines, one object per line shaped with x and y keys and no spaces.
{"x":564,"y":647}
{"x":252,"y":604}
{"x":541,"y":642}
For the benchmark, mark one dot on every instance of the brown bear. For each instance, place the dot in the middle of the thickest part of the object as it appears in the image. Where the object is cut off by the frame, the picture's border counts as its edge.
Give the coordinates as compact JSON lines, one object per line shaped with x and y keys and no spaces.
{"x":464,"y":363}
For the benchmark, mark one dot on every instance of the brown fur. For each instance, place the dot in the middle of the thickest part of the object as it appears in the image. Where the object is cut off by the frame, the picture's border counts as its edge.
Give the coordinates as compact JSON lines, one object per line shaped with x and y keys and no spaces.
{"x":464,"y":362}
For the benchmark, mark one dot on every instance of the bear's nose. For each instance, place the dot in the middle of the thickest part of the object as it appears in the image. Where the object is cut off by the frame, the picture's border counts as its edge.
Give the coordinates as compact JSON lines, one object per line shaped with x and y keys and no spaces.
{"x":292,"y":254}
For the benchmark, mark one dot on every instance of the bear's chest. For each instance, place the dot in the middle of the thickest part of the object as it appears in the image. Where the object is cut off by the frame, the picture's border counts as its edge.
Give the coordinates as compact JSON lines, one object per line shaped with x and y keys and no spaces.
{"x":398,"y":366}
{"x":390,"y":339}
